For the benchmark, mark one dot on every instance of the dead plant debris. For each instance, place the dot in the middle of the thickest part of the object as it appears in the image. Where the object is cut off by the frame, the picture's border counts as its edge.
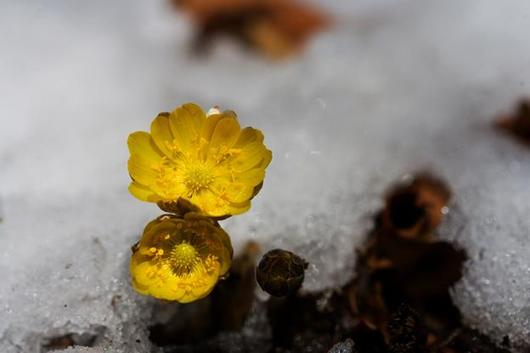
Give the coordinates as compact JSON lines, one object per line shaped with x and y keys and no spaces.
{"x":403,"y":262}
{"x":85,"y":339}
{"x":276,"y":28}
{"x":517,"y":123}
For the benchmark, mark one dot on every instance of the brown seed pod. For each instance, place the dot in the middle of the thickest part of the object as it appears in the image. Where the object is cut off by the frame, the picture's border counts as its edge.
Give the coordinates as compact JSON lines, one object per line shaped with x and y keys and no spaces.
{"x":280,"y":272}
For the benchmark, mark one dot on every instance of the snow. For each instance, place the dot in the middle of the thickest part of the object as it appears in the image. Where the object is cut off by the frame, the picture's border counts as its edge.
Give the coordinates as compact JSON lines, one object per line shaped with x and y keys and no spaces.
{"x":343,"y":347}
{"x":395,"y":87}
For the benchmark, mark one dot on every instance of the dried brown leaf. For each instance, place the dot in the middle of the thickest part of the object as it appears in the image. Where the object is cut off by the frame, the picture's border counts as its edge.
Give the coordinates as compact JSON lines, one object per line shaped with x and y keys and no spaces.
{"x":277,"y":28}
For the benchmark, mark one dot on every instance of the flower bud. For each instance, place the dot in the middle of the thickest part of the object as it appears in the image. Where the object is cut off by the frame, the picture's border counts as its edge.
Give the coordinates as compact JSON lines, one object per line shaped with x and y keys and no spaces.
{"x":280,"y":272}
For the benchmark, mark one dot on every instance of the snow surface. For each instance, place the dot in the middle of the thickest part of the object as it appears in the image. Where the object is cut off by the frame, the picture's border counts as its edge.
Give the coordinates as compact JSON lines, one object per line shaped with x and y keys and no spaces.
{"x":396,"y":86}
{"x":343,"y":347}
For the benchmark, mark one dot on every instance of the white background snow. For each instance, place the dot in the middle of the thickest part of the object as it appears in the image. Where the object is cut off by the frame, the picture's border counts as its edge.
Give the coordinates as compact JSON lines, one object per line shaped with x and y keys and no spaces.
{"x":394,"y":87}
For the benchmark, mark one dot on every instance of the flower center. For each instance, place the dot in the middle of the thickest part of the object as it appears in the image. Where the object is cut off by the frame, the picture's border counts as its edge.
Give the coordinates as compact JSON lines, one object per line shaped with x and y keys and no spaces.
{"x":183,"y":258}
{"x":198,"y":178}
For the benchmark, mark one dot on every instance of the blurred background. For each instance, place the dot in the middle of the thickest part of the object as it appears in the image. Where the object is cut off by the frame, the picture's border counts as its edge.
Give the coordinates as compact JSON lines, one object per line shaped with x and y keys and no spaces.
{"x":362,"y":94}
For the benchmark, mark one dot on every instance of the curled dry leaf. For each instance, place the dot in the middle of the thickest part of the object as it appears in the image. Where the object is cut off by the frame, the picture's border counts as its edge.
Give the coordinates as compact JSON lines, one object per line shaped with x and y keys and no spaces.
{"x":413,"y":209}
{"x":403,"y":262}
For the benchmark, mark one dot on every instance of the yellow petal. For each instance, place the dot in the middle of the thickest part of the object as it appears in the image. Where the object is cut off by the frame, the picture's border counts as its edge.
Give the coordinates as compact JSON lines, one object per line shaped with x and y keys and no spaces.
{"x":142,"y":192}
{"x":251,"y":156}
{"x":235,"y":209}
{"x":141,"y":170}
{"x":169,"y":289}
{"x":266,"y":160}
{"x":186,"y":124}
{"x":249,"y":135}
{"x":208,"y":202}
{"x":143,"y":275}
{"x":161,"y":133}
{"x":239,"y":193}
{"x":209,"y":126}
{"x":226,"y":132}
{"x":198,"y":292}
{"x":150,"y":279}
{"x":141,"y":144}
{"x":251,"y":177}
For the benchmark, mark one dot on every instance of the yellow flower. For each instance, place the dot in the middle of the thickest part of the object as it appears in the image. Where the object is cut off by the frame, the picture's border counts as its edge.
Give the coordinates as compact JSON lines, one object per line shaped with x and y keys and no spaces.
{"x":180,"y":259}
{"x":207,"y":160}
